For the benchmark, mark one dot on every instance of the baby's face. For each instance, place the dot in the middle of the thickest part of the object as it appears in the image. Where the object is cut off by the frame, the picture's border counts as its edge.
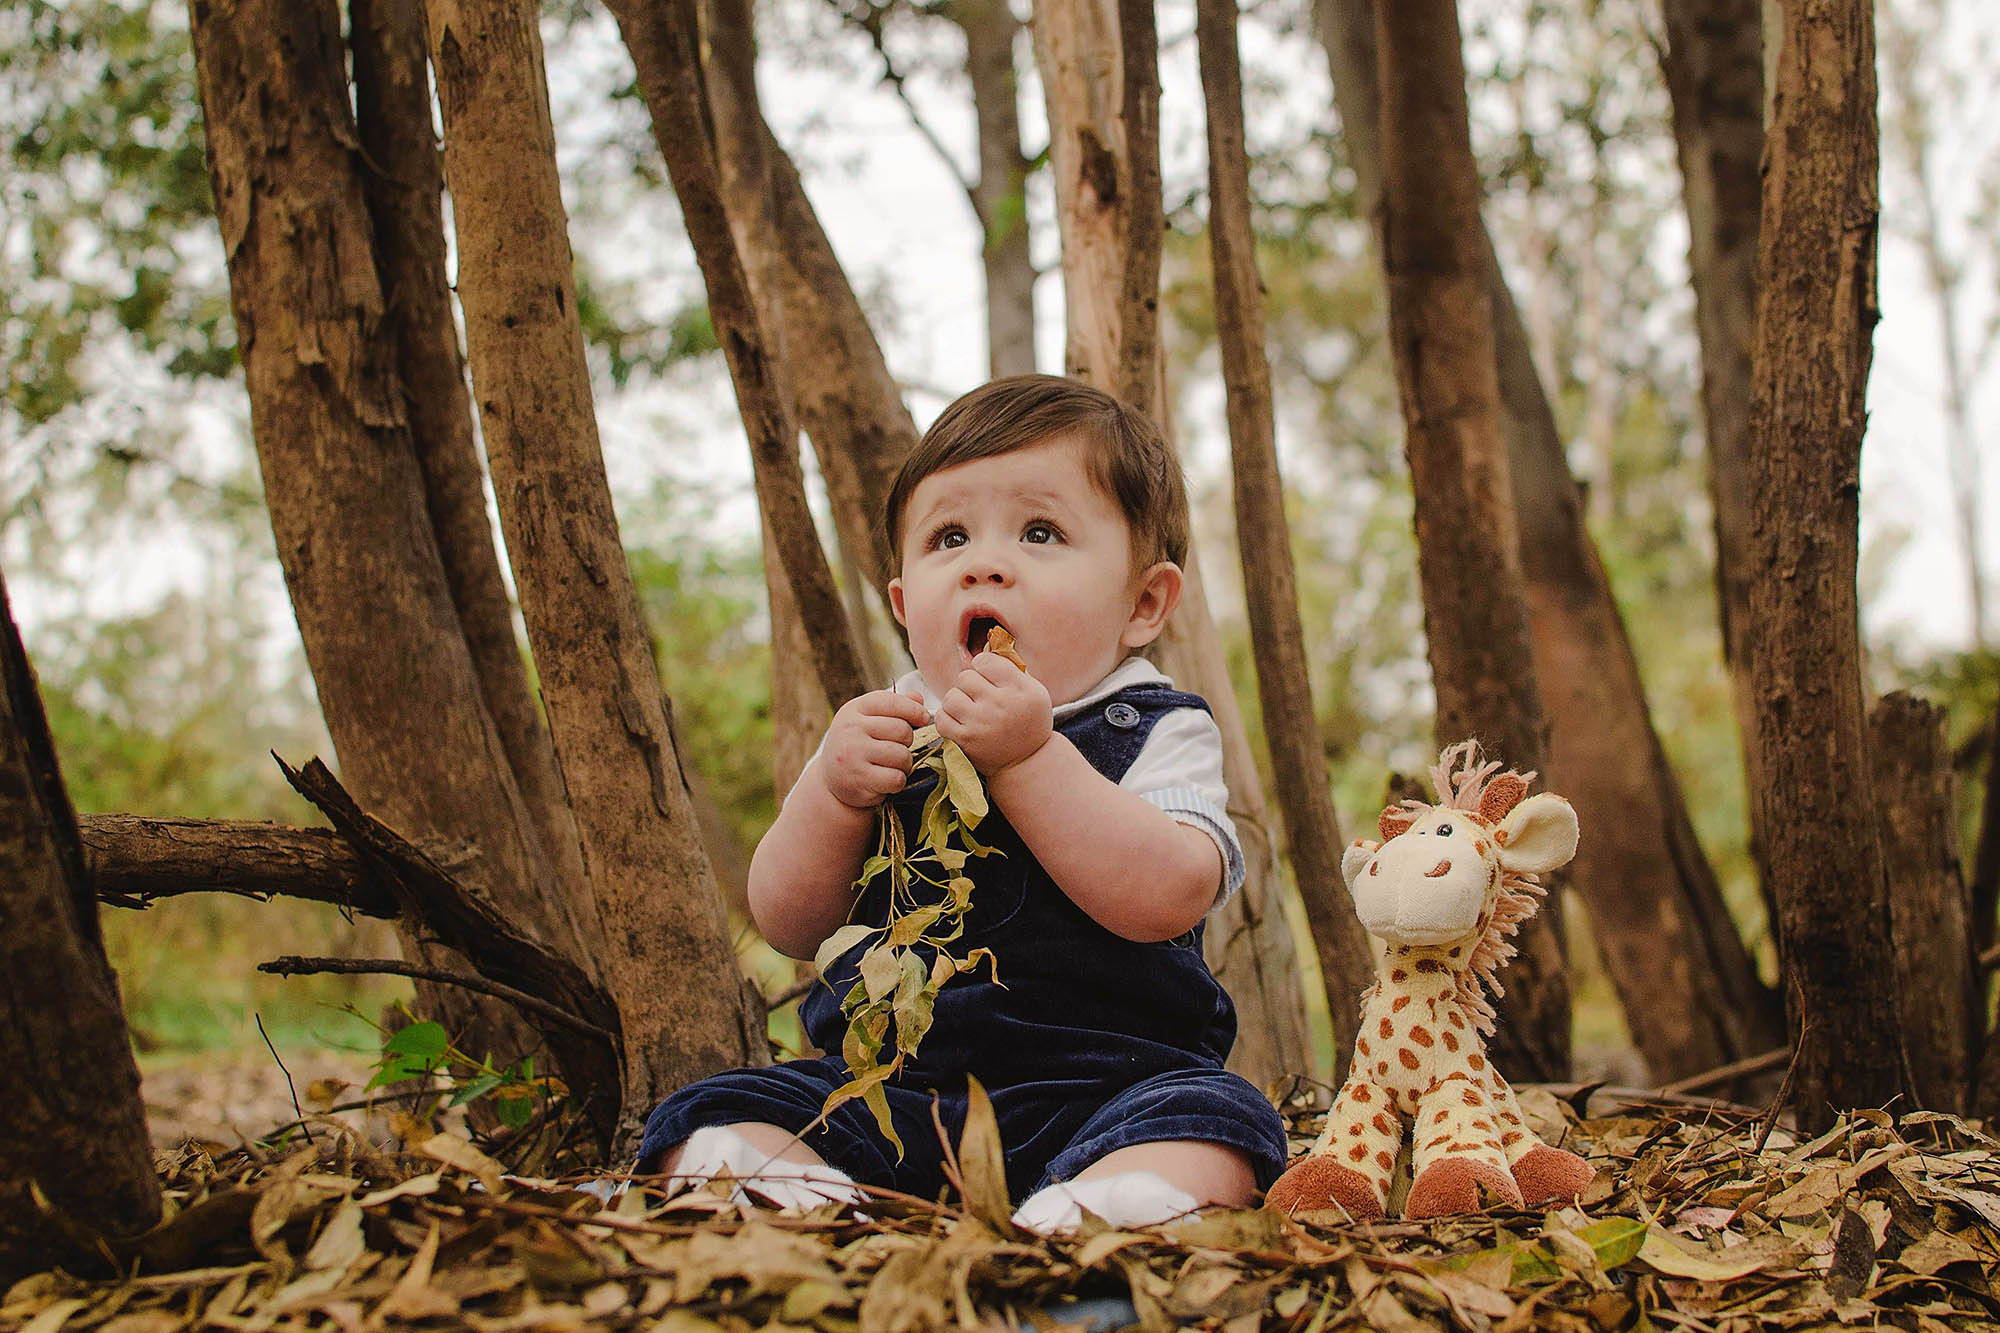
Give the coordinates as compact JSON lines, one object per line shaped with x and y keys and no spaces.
{"x":1028,"y":541}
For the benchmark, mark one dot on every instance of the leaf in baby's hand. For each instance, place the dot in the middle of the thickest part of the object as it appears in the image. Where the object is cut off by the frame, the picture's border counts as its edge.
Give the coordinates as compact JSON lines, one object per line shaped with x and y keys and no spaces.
{"x":839,"y":943}
{"x":880,"y":972}
{"x":961,"y":892}
{"x":968,"y":795}
{"x":927,"y":736}
{"x":910,"y":927}
{"x":916,"y":1000}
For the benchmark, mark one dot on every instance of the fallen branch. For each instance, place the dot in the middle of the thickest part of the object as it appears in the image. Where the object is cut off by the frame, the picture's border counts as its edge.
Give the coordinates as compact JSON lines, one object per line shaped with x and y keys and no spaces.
{"x":293,"y":965}
{"x":431,"y":899}
{"x":135,"y":860}
{"x":1754,"y":1064}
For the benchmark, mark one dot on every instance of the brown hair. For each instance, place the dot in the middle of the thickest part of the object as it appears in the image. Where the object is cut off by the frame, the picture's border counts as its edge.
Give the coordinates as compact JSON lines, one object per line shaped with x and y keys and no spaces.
{"x":1123,"y":452}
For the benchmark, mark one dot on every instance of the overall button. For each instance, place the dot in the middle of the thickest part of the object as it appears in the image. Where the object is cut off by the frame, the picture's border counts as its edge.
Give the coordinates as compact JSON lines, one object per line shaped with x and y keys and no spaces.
{"x":1122,"y":716}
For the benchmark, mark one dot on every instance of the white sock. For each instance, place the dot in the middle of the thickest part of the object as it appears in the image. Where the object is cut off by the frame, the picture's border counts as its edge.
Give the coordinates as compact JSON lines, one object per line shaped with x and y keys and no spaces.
{"x":1128,"y":1199}
{"x":718,"y":1152}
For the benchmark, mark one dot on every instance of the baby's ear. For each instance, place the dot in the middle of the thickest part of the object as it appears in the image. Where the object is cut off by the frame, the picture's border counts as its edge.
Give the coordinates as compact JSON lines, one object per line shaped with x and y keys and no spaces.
{"x":896,"y":601}
{"x":1159,"y":592}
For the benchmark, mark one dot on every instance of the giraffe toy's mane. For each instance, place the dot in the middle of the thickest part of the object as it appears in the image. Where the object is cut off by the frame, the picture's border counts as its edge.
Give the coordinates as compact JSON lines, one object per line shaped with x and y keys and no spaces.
{"x":1462,"y":781}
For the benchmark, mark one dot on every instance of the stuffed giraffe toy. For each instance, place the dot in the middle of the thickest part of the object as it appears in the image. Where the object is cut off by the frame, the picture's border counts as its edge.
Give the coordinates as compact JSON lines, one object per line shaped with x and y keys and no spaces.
{"x":1444,"y":890}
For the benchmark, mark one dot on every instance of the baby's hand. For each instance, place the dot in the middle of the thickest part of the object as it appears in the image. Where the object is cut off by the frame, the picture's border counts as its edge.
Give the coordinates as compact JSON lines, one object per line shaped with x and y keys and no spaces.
{"x":867,"y":753}
{"x":998,"y":714}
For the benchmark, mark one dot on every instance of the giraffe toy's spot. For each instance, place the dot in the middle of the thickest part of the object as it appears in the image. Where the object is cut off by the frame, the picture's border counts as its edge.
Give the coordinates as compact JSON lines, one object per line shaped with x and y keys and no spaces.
{"x":1450,"y":1040}
{"x":1396,"y":1006}
{"x":1407,"y":1056}
{"x":1421,"y":1035}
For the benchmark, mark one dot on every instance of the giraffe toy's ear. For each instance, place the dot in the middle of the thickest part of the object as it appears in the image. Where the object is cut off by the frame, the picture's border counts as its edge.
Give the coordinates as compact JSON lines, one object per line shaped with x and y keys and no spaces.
{"x":1538,"y":836}
{"x":1396,"y":819}
{"x":1355,"y":858}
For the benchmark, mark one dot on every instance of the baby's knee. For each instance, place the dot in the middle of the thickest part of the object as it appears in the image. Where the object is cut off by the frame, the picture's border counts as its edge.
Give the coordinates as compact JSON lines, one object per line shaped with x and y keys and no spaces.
{"x":763,"y":1160}
{"x":1213,"y":1173}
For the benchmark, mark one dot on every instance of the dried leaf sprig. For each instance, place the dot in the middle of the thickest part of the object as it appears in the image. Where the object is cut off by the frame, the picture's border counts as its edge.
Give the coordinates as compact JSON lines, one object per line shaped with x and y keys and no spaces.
{"x":912,"y":958}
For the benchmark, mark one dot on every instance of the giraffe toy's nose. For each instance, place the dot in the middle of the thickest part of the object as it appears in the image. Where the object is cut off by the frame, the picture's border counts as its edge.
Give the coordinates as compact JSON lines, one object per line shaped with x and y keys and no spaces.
{"x":1442,"y":868}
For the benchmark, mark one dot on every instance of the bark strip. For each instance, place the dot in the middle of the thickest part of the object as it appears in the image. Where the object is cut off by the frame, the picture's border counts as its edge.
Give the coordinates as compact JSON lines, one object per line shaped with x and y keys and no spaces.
{"x":1815,"y":318}
{"x":1433,"y":251}
{"x":1305,"y":800}
{"x":71,"y":1124}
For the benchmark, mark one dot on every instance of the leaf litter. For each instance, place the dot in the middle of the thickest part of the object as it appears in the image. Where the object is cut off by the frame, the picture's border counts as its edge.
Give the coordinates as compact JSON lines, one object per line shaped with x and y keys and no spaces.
{"x":1690,"y":1225}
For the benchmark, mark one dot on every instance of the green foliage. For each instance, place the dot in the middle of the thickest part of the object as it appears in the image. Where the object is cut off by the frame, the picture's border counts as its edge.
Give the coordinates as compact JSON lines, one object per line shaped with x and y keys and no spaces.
{"x":423,"y":1050}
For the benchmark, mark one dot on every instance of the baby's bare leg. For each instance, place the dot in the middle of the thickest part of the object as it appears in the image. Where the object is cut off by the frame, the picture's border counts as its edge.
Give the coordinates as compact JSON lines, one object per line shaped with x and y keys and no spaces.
{"x":777,"y":1144}
{"x":1213,"y":1173}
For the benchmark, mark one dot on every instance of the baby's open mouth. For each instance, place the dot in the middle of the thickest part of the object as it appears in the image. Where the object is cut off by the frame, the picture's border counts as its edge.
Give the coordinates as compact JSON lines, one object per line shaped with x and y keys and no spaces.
{"x":976,"y":631}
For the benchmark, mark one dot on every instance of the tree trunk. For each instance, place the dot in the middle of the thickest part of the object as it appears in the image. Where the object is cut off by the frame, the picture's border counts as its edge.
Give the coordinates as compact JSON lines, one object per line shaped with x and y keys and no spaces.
{"x":999,"y":196}
{"x":1986,"y":852}
{"x":663,"y":41}
{"x":1689,"y":987}
{"x":73,"y":1127}
{"x":395,"y":678}
{"x":1250,"y":945}
{"x":848,"y":401}
{"x":403,"y":183}
{"x":1714,"y":63}
{"x":1312,"y":829}
{"x":799,"y":706}
{"x":1815,"y":316}
{"x":668,"y":963}
{"x":1929,"y":909}
{"x":1476,"y":622}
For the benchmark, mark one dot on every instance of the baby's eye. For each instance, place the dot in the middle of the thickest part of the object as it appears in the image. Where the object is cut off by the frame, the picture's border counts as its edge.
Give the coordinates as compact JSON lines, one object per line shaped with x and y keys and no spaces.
{"x":947,"y":536}
{"x":1041,"y":534}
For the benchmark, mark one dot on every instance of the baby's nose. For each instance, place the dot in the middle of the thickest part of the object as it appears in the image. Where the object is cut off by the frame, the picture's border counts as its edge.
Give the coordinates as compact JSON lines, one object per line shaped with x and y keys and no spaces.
{"x":983,"y":573}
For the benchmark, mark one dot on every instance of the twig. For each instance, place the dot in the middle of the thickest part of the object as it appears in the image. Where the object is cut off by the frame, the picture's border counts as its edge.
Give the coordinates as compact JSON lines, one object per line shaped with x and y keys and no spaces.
{"x":288,"y":1077}
{"x":291,"y":965}
{"x":1991,"y":958}
{"x":1784,"y":1091}
{"x":1755,"y":1064}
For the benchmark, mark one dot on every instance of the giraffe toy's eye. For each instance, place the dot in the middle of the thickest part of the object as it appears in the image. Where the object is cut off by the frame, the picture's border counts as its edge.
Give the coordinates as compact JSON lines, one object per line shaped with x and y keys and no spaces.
{"x":1444,"y":830}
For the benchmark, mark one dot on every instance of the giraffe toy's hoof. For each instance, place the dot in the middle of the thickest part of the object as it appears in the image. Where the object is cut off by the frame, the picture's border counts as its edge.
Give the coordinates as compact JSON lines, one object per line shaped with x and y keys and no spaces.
{"x":1316,"y":1183}
{"x":1547,"y":1174}
{"x":1451,"y":1185}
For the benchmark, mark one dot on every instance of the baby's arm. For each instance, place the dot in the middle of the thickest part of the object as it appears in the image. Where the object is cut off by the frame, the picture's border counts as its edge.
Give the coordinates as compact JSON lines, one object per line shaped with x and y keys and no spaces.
{"x":1135,"y":869}
{"x":802,"y":875}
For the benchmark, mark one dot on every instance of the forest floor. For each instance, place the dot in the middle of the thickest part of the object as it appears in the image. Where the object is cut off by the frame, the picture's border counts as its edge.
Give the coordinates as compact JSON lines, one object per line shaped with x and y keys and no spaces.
{"x":1702,"y":1216}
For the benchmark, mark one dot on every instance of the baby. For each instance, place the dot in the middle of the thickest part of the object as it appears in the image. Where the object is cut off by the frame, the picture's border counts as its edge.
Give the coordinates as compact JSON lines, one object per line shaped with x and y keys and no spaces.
{"x":1053,"y":510}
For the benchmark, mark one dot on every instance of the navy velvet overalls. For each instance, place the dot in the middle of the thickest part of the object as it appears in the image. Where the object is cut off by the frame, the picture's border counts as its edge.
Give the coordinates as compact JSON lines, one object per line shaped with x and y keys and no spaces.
{"x":1087,"y":1043}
